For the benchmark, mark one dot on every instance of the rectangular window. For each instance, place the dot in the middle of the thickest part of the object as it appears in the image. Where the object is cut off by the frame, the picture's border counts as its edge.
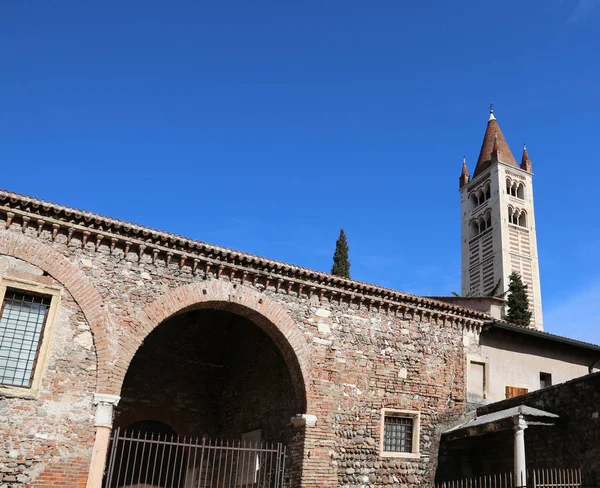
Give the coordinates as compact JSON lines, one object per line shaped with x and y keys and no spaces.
{"x":397,"y":435}
{"x":513,"y":391}
{"x":22,"y":324}
{"x":476,"y":381}
{"x":545,"y":380}
{"x":400,"y":433}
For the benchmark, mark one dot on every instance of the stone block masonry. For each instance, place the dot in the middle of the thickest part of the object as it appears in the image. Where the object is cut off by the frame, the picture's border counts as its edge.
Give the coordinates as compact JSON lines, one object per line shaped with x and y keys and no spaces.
{"x":573,"y":443}
{"x":350,"y":350}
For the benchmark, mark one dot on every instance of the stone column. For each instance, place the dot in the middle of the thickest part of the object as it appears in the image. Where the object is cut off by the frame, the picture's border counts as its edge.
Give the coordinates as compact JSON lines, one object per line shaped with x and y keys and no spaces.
{"x":520,"y":460}
{"x":105,"y":404}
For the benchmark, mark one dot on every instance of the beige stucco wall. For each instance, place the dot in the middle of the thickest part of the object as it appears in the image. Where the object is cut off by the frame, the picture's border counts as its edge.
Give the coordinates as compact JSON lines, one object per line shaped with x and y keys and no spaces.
{"x":513,"y":359}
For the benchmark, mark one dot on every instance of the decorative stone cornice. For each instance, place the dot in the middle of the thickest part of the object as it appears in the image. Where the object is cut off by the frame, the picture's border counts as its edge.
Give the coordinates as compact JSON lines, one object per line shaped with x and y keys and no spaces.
{"x":96,"y":231}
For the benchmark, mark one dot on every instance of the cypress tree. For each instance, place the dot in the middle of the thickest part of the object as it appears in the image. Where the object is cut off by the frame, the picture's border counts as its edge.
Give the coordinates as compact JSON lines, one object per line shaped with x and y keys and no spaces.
{"x":341,"y":265}
{"x":518,"y":304}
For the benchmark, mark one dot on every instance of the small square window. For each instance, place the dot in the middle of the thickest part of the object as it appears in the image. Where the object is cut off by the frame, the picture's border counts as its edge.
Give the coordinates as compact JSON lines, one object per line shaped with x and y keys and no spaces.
{"x":400,"y":433}
{"x":545,"y":380}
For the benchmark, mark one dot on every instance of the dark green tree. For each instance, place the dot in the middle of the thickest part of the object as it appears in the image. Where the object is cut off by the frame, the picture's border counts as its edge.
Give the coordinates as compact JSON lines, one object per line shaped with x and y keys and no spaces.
{"x":518,"y":304}
{"x":341,"y":265}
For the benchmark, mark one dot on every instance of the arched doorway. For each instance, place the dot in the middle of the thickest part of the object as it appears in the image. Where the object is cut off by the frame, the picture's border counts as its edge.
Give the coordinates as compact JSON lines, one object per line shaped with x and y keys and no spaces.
{"x":217,"y":380}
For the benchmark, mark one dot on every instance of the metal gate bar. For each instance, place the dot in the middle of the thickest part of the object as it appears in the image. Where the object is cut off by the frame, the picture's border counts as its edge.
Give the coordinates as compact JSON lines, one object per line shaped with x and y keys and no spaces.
{"x":167,"y":461}
{"x":536,"y":478}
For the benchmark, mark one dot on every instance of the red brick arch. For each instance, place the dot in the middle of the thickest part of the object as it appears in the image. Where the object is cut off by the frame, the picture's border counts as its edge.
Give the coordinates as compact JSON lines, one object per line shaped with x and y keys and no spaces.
{"x":64,"y":271}
{"x":267,"y":314}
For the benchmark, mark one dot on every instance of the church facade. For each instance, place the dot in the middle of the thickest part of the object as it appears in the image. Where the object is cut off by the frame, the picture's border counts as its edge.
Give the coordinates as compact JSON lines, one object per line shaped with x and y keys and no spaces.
{"x":498,"y":222}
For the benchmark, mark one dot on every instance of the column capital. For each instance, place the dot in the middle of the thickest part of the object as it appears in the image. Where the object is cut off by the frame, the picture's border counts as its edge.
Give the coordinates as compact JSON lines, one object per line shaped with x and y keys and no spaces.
{"x":520,"y":423}
{"x":105,"y":404}
{"x":106,"y":398}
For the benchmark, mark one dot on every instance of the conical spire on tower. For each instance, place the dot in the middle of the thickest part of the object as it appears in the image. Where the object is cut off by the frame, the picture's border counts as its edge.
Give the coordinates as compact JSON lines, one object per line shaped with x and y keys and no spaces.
{"x":525,"y":161}
{"x":464,"y":177}
{"x":493,"y":148}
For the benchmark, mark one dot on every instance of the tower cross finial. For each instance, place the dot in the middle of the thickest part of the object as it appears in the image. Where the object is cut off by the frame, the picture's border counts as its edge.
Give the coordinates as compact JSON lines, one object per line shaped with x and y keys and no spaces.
{"x":492,"y":111}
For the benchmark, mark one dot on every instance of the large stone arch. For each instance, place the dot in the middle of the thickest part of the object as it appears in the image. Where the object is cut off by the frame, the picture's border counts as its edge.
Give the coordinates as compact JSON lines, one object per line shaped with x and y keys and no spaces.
{"x":60,"y":268}
{"x":267,"y":314}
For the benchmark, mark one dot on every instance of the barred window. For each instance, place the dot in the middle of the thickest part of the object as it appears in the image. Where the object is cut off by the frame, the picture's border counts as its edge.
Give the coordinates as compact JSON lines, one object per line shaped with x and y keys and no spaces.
{"x":397,"y":436}
{"x":22,"y":324}
{"x":400,"y":431}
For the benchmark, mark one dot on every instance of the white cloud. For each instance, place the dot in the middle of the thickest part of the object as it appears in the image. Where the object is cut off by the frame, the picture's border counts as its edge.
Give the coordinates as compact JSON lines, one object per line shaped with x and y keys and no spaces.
{"x":577,"y":317}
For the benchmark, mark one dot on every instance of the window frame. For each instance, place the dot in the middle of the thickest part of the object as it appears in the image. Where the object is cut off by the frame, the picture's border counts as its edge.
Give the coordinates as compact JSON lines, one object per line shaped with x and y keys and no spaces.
{"x":44,"y":344}
{"x":415,"y":415}
{"x":546,"y":378}
{"x":471,"y":358}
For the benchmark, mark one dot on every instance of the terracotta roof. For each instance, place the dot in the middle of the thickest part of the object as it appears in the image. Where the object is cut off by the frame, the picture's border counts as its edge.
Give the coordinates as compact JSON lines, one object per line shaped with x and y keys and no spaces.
{"x":493,"y":140}
{"x":464,"y":177}
{"x":502,"y":324}
{"x":465,"y":170}
{"x":162,"y":245}
{"x":525,"y":161}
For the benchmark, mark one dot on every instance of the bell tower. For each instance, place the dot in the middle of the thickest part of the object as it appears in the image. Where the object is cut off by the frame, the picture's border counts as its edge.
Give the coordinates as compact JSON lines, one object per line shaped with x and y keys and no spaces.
{"x":498,"y":224}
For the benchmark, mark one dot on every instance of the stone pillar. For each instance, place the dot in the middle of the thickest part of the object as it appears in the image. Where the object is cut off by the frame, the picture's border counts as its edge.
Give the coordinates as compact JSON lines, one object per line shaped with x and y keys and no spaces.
{"x":520,"y":460}
{"x":105,"y":404}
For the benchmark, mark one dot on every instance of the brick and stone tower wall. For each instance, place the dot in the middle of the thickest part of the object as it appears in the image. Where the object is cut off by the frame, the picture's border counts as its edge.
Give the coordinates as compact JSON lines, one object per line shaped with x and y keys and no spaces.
{"x":498,"y":222}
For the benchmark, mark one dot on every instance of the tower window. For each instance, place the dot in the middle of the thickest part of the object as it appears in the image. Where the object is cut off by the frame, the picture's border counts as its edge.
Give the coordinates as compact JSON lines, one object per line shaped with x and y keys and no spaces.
{"x":517,"y":217}
{"x":515,"y":189}
{"x":481,"y":224}
{"x":481,"y":195}
{"x":523,"y":219}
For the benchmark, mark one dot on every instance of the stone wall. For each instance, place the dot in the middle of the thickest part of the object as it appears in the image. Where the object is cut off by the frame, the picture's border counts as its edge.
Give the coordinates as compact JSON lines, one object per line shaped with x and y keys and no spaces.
{"x":574,"y":442}
{"x":347,"y":356}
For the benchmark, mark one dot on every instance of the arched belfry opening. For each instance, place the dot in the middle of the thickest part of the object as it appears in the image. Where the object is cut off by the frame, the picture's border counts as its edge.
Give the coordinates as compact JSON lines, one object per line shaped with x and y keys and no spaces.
{"x":206,"y":381}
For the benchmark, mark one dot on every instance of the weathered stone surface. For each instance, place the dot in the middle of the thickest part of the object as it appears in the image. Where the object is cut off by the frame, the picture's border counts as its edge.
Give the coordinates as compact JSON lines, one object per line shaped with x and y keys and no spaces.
{"x":350,"y":356}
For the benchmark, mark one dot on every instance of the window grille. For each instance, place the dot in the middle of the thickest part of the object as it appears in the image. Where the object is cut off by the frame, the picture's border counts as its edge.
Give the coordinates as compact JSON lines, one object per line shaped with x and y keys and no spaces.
{"x":21,"y":327}
{"x":398,"y":433}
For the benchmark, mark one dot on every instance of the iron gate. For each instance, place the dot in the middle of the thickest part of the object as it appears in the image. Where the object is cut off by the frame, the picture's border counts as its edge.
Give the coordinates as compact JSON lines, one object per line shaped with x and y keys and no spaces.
{"x":166,"y":461}
{"x":536,"y":478}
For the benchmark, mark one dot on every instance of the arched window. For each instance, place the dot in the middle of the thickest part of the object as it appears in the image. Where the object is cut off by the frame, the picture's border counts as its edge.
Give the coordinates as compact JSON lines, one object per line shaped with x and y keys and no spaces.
{"x":508,"y":185}
{"x":523,"y":219}
{"x":521,"y":191}
{"x":482,"y":194}
{"x":481,"y":224}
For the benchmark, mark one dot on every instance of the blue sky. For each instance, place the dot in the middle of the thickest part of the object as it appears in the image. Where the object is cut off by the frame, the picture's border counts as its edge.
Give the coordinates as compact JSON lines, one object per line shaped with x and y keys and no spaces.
{"x":267,"y":126}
